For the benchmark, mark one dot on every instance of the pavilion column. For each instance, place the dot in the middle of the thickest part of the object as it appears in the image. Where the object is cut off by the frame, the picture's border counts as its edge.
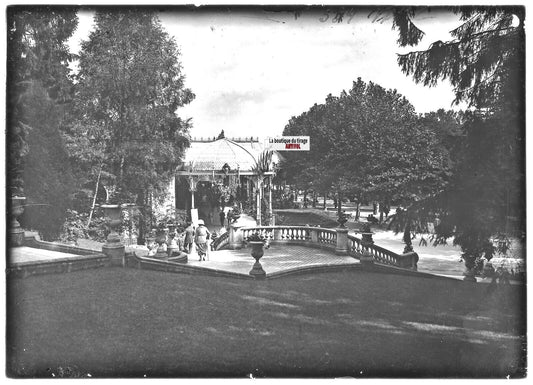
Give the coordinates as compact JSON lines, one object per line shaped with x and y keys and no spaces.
{"x":270,"y":201}
{"x":192,"y":189}
{"x":249,"y":195}
{"x":258,"y":188}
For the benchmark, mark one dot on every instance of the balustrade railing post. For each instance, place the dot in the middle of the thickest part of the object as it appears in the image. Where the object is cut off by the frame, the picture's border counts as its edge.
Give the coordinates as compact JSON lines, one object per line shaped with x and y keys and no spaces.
{"x":236,"y":239}
{"x":409,"y":261}
{"x":314,"y":235}
{"x":277,"y":234}
{"x":342,"y":242}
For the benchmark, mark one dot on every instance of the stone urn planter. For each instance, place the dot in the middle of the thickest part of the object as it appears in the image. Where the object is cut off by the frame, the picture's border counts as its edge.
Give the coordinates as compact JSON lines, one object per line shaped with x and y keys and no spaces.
{"x":113,"y":218}
{"x":16,"y":233}
{"x":172,"y":244}
{"x":257,"y":252}
{"x":150,"y":237}
{"x":234,"y":216}
{"x":161,"y":240}
{"x":342,"y":220}
{"x":366,"y":241}
{"x":113,"y":247}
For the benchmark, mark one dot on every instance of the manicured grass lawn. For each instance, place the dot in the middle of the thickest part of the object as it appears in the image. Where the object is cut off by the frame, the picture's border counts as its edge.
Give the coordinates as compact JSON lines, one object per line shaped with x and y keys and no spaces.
{"x":117,"y":322}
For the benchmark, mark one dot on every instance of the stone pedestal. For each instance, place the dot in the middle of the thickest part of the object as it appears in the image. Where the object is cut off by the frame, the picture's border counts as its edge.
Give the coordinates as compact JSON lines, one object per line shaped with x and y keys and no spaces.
{"x":342,"y":241}
{"x":115,"y":252}
{"x":172,"y":248}
{"x":236,"y":239}
{"x":172,"y":244}
{"x":113,"y":247}
{"x":314,"y":236}
{"x":16,"y":232}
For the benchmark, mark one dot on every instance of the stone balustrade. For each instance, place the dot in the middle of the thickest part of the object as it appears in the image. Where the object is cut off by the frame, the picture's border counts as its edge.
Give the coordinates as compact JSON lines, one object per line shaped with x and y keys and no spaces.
{"x":300,"y":235}
{"x":381,"y":255}
{"x":220,"y":242}
{"x":337,"y":240}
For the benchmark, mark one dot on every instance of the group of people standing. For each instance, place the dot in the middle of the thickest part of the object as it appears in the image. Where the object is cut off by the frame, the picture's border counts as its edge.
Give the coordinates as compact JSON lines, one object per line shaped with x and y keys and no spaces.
{"x":226,"y":218}
{"x":183,"y":239}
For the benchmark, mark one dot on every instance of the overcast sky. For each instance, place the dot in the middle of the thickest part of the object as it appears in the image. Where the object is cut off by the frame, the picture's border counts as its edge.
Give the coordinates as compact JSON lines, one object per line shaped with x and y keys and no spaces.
{"x":252,"y":71}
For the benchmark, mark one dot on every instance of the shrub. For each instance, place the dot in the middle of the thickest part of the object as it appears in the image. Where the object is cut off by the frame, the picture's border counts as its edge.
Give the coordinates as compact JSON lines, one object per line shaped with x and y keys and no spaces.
{"x":75,"y":227}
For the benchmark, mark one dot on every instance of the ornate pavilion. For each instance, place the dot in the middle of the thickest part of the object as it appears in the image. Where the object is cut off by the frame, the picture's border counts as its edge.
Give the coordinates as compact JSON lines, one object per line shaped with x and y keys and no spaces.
{"x":221,"y":173}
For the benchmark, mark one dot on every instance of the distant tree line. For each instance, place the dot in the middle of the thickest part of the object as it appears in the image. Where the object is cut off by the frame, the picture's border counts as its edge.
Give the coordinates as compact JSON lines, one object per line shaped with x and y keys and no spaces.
{"x":466,"y":168}
{"x":369,"y":145}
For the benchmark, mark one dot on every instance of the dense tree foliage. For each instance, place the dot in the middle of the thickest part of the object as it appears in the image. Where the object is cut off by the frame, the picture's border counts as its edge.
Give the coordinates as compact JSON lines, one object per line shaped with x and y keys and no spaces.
{"x":485,"y":63}
{"x":368,"y":143}
{"x":129,"y":86}
{"x":38,"y":90}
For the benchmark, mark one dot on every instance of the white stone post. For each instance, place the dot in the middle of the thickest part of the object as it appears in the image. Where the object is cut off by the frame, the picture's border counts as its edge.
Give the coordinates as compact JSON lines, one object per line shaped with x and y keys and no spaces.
{"x":192,"y":189}
{"x":342,"y":242}
{"x":236,"y":239}
{"x":270,"y":213}
{"x":314,"y":235}
{"x":258,"y":203}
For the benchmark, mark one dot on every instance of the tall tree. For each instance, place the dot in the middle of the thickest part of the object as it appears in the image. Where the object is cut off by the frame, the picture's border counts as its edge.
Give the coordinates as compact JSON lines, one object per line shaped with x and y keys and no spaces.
{"x":368,"y":142}
{"x":38,"y":89}
{"x":130,"y":84}
{"x":485,"y":63}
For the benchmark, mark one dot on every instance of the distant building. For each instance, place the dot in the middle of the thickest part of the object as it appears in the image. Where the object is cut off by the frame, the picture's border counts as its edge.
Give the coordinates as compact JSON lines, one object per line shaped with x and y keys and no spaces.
{"x":219,"y":173}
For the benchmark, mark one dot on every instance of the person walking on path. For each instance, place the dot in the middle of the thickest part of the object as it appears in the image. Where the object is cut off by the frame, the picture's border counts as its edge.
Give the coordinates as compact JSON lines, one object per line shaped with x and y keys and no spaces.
{"x":189,"y":238}
{"x":201,"y":237}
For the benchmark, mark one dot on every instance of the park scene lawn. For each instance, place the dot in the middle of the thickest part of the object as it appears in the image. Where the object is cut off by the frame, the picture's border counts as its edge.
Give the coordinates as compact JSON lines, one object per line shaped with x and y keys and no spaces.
{"x":125,"y":322}
{"x":369,"y":163}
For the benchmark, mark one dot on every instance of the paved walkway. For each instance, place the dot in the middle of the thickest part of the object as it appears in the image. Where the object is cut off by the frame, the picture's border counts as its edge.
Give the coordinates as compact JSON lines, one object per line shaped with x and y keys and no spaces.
{"x":29,"y":254}
{"x":275,"y":260}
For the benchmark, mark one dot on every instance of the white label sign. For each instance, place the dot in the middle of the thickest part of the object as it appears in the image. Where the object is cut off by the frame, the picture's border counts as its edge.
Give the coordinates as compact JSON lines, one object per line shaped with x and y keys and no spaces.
{"x":288,"y":143}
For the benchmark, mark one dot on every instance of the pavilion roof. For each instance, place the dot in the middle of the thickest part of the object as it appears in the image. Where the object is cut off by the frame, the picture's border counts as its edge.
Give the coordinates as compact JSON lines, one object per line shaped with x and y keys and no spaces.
{"x":211,"y":156}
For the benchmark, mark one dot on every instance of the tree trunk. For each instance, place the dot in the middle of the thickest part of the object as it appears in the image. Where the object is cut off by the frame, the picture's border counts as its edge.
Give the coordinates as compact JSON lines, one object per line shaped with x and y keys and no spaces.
{"x":358,"y":210}
{"x":324,"y":204}
{"x":120,"y":177}
{"x":142,"y":218}
{"x":94,"y":198}
{"x":339,"y":204}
